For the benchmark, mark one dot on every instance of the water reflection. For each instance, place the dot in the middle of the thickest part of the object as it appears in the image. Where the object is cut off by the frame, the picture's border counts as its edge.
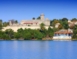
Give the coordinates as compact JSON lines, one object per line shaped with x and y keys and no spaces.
{"x":15,"y":45}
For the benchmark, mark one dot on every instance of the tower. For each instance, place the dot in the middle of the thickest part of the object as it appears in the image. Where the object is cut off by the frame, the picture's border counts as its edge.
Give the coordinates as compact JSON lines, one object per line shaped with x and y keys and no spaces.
{"x":11,"y":22}
{"x":42,"y":16}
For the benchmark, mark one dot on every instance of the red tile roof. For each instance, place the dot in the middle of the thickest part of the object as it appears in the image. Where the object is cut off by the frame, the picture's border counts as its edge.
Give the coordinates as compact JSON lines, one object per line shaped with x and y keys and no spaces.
{"x":63,"y":32}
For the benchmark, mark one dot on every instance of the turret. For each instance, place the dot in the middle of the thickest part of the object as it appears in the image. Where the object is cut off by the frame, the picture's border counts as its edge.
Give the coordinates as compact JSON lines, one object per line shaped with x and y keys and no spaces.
{"x":11,"y":22}
{"x":42,"y":16}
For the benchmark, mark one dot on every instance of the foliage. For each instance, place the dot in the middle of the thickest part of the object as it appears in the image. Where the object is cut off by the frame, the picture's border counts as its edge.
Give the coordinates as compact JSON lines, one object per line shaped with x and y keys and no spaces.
{"x":54,"y":22}
{"x":50,"y":32}
{"x":29,"y":34}
{"x":19,"y":33}
{"x":75,"y":32}
{"x":38,"y":34}
{"x":60,"y":27}
{"x":3,"y":35}
{"x":64,"y":23}
{"x":64,"y":19}
{"x":74,"y":19}
{"x":0,"y":24}
{"x":38,"y":18}
{"x":9,"y":33}
{"x":42,"y":26}
{"x":33,"y":18}
{"x":5,"y":24}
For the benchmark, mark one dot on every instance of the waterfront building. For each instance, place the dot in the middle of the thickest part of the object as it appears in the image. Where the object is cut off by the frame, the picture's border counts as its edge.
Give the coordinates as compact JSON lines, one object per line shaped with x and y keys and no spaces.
{"x":32,"y":22}
{"x":63,"y":34}
{"x":28,"y":24}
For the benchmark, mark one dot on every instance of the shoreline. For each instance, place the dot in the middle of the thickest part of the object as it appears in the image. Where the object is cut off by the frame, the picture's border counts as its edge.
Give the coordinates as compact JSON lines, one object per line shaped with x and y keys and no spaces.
{"x":40,"y":40}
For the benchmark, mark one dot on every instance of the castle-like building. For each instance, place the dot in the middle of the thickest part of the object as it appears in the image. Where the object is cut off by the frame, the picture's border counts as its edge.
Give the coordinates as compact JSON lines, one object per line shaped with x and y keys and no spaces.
{"x":33,"y":22}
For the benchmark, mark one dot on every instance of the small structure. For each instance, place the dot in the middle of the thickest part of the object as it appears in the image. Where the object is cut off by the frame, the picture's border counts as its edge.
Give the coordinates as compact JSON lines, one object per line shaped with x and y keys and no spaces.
{"x":57,"y":25}
{"x":72,"y":23}
{"x":63,"y":34}
{"x":13,"y":22}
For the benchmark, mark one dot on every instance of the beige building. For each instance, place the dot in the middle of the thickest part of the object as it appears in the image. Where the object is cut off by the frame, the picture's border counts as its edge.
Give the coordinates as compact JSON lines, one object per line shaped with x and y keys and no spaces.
{"x":32,"y":24}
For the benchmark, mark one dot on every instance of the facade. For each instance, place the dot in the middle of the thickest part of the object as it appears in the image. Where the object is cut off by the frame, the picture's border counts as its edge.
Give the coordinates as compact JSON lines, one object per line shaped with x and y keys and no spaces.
{"x":32,"y":24}
{"x":36,"y":22}
{"x":63,"y":34}
{"x":57,"y":25}
{"x":72,"y":23}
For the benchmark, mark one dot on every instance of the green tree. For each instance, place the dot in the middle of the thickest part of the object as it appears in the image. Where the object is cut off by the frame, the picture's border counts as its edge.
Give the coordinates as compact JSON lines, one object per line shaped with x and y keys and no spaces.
{"x":64,"y":19}
{"x":33,"y":18}
{"x":1,"y":34}
{"x":20,"y":33}
{"x":38,"y":18}
{"x":10,"y":33}
{"x":50,"y":32}
{"x":74,"y":19}
{"x":54,"y":22}
{"x":42,"y":26}
{"x":0,"y":21}
{"x":64,"y":23}
{"x":75,"y":32}
{"x":38,"y":35}
{"x":17,"y":35}
{"x":27,"y":35}
{"x":1,"y":24}
{"x":5,"y":24}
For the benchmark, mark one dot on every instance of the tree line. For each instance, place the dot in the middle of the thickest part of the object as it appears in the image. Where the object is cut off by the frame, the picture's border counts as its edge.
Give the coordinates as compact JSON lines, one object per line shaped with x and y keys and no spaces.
{"x":27,"y":34}
{"x":41,"y":33}
{"x":64,"y":24}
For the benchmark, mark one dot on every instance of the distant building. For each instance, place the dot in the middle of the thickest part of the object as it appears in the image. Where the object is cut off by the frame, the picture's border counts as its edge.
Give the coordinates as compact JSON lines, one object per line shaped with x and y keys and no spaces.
{"x":57,"y":25}
{"x":72,"y":23}
{"x":33,"y":22}
{"x":63,"y":34}
{"x":28,"y":24}
{"x":13,"y":22}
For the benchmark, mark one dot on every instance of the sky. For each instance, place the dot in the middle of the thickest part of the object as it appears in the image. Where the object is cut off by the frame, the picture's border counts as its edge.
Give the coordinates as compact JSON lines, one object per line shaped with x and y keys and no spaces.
{"x":27,"y":9}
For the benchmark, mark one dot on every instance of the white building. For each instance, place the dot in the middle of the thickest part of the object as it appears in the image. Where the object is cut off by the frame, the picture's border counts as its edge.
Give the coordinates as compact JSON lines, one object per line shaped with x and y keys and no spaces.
{"x":63,"y":34}
{"x":57,"y":25}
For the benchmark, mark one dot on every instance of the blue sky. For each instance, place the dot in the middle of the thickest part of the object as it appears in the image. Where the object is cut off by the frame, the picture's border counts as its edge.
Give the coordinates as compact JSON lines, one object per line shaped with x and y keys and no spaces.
{"x":27,"y":9}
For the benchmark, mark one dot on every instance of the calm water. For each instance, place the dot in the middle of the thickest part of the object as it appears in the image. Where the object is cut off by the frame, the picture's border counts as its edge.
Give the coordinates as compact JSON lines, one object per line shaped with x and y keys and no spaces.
{"x":38,"y":49}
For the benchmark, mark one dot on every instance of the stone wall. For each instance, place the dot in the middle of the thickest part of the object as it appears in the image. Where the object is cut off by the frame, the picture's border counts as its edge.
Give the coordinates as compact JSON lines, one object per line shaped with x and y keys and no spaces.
{"x":15,"y":28}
